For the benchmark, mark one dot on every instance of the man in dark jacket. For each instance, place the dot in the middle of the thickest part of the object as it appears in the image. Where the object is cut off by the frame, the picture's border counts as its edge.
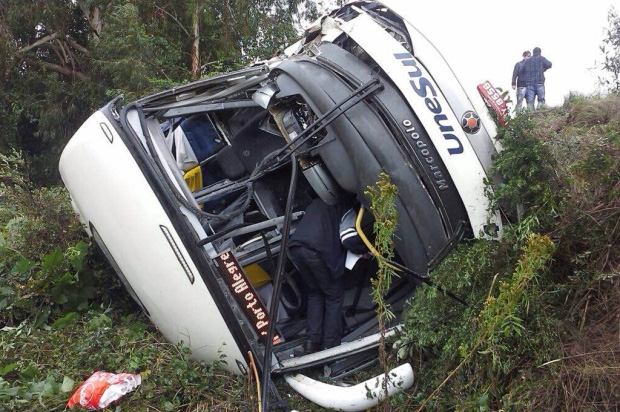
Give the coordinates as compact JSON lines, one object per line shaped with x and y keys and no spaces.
{"x":318,"y":254}
{"x":534,"y":72}
{"x":518,"y":82}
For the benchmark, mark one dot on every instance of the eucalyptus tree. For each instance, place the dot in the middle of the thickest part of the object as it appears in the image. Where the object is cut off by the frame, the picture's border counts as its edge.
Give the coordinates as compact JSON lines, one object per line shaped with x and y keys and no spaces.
{"x":45,"y":62}
{"x":61,"y":59}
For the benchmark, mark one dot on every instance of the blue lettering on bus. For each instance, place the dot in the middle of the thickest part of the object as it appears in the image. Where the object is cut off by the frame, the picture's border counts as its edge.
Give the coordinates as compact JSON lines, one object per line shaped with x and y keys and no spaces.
{"x":423,"y":87}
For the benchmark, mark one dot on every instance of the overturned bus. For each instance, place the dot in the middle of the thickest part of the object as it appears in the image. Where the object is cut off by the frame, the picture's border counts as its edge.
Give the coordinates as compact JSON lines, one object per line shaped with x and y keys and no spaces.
{"x":199,"y":187}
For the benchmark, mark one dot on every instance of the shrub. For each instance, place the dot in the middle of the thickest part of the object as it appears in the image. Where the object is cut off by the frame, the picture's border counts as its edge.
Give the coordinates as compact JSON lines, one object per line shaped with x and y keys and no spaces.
{"x":44,"y":255}
{"x":527,"y":168}
{"x":543,"y":301}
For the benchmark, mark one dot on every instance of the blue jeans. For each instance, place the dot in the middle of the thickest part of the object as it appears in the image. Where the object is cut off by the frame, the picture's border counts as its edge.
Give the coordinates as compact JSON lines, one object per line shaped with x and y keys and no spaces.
{"x":535,"y":91}
{"x":325,"y":297}
{"x":521,"y":91}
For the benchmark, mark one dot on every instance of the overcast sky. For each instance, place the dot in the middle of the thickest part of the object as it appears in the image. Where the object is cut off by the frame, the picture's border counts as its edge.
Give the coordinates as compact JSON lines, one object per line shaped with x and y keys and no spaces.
{"x":483,"y":39}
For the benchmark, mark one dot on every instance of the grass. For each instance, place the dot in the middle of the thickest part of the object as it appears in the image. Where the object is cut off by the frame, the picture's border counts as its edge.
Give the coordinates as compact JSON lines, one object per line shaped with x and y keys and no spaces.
{"x":43,"y":367}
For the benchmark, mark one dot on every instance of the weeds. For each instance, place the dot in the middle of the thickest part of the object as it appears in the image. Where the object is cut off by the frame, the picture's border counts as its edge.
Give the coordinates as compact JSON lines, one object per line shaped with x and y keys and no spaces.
{"x":42,"y":256}
{"x":41,"y":369}
{"x":527,"y":168}
{"x":382,"y":198}
{"x":542,"y":301}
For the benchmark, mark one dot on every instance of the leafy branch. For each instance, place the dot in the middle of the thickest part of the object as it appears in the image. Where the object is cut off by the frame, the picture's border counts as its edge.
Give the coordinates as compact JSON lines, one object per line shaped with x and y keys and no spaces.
{"x":499,"y":316}
{"x":382,"y":198}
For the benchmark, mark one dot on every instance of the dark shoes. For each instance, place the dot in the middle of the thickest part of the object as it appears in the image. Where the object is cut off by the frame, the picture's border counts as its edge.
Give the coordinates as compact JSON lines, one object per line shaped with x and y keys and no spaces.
{"x":307,"y":348}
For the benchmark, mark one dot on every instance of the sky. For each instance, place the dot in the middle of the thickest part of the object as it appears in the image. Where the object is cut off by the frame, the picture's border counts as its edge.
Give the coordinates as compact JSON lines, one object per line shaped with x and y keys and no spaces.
{"x":483,"y":39}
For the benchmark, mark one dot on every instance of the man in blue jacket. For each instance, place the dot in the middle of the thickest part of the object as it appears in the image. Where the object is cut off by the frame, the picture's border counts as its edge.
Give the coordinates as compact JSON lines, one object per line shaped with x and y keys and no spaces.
{"x":518,"y":82}
{"x":533,"y":70}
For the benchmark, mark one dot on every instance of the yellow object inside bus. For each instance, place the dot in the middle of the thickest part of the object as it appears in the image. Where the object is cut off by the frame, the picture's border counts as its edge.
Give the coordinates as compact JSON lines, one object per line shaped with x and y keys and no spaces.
{"x":256,"y":275}
{"x":193,"y":178}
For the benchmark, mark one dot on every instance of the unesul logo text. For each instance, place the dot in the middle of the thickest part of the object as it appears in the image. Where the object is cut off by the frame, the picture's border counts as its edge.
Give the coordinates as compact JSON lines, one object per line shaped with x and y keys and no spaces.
{"x":424,"y":88}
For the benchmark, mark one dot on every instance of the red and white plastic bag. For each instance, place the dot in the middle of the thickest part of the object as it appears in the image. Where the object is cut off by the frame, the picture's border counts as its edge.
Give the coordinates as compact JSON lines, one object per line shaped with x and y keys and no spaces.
{"x":103,"y":388}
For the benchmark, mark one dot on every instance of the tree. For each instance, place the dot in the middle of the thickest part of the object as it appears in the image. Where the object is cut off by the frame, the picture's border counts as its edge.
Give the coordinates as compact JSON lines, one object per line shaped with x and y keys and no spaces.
{"x":235,"y":32}
{"x":62,"y":59}
{"x":134,"y":55}
{"x":44,"y":59}
{"x":611,"y":52}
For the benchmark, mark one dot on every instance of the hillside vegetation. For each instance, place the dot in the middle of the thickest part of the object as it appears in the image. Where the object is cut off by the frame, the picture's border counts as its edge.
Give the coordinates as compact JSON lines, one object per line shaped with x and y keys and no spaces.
{"x":540,"y":331}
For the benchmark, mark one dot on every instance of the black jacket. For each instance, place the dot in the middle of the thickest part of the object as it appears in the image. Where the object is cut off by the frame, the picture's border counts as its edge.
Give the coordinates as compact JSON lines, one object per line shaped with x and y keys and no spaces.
{"x":533,"y":70}
{"x":319,"y":230}
{"x":517,"y":80}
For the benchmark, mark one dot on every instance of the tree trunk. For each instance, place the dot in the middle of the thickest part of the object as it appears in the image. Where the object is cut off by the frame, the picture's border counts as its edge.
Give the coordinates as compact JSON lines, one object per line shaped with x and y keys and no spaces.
{"x":93,"y":15}
{"x":195,"y":45}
